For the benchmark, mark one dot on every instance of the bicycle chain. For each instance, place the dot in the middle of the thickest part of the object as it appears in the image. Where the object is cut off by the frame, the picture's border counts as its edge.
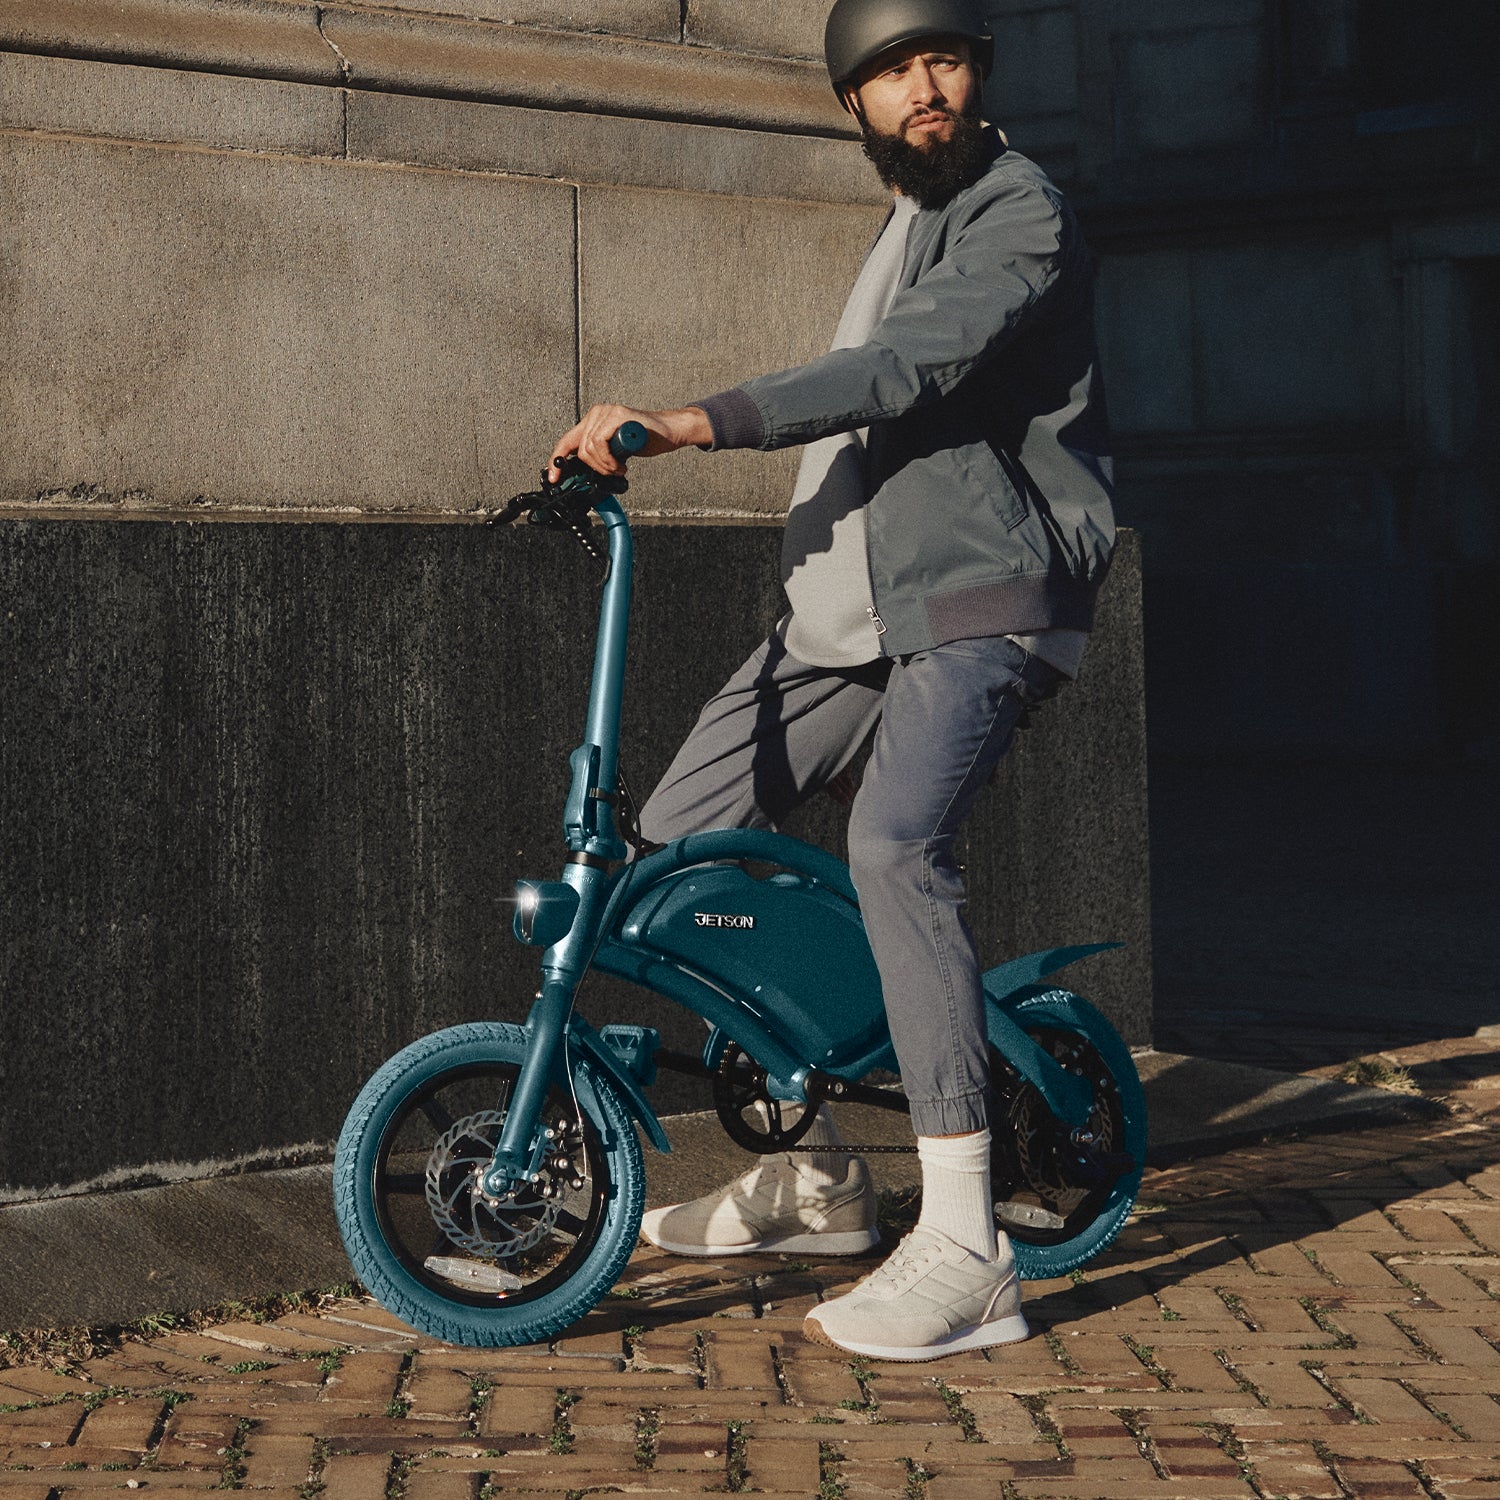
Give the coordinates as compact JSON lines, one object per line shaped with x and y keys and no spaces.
{"x":858,"y":1150}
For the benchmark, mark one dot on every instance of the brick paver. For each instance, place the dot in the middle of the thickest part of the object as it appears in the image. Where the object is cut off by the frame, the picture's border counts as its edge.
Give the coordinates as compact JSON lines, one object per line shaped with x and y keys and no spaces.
{"x":1311,"y":1318}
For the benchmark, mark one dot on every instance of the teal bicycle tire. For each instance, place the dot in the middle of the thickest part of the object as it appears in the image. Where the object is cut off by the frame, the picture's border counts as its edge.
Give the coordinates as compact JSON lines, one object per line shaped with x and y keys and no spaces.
{"x":493,"y":1322}
{"x":1061,"y":1010}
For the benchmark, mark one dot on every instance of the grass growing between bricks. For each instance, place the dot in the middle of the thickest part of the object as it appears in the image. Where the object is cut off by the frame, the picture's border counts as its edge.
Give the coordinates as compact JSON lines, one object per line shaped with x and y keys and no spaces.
{"x":831,"y":1484}
{"x":93,"y":1399}
{"x":1146,"y":1353}
{"x":233,"y":1474}
{"x":1144,"y":1446}
{"x":1060,"y":1353}
{"x":958,"y":1412}
{"x":66,"y":1350}
{"x":314,"y":1484}
{"x":170,"y":1401}
{"x":400,"y":1403}
{"x":1036,"y":1409}
{"x":917,"y":1475}
{"x":735,"y":1456}
{"x":647,"y":1430}
{"x":400,"y":1472}
{"x":1338,"y":1339}
{"x":561,"y":1439}
{"x":481,"y":1388}
{"x":865,"y":1378}
{"x":1234,"y":1449}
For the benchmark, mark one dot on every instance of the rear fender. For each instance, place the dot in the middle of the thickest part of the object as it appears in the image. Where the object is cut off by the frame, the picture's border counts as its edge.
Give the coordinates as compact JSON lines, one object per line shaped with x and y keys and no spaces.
{"x":1006,"y":980}
{"x":1068,"y":1097}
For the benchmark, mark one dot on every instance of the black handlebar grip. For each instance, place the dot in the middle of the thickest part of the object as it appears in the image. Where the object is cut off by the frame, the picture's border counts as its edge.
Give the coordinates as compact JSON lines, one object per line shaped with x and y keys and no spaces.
{"x":628,"y":441}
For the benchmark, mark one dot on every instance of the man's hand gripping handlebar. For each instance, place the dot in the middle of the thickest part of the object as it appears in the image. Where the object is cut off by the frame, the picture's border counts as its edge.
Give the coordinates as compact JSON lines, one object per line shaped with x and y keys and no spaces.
{"x":564,"y":503}
{"x":592,"y":439}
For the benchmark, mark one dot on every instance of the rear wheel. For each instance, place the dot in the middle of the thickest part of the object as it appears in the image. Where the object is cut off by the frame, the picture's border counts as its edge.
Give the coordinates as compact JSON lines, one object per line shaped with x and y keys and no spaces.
{"x":1062,"y":1199}
{"x":438,"y":1251}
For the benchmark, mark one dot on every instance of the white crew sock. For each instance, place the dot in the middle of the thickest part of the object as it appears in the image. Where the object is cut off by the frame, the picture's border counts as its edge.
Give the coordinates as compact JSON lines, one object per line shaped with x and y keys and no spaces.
{"x":819,"y":1156}
{"x":956,"y":1189}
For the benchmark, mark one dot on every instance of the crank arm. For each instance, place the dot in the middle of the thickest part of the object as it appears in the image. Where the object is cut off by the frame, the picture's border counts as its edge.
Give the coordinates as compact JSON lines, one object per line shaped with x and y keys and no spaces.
{"x":820,"y":1086}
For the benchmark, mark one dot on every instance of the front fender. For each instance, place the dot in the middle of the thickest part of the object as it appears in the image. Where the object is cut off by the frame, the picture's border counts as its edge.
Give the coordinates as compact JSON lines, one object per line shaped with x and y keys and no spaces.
{"x":583,"y":1038}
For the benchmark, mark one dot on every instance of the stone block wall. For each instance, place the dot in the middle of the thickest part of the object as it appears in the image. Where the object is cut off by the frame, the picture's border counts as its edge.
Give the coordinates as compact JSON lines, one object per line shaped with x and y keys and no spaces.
{"x":371,"y":218}
{"x":243,"y":286}
{"x":272,"y":271}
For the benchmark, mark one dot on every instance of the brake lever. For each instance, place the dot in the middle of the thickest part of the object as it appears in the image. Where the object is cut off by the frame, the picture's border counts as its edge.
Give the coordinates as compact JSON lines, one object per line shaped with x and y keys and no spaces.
{"x":518,"y":505}
{"x":562,"y":502}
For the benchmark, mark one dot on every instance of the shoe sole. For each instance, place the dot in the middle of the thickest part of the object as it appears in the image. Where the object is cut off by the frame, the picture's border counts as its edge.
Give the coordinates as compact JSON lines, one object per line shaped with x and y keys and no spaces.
{"x":842,"y":1242}
{"x":1010,"y":1330}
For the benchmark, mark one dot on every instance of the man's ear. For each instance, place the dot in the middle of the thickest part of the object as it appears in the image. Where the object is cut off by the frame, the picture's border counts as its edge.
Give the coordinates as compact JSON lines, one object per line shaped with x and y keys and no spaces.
{"x":851,"y":103}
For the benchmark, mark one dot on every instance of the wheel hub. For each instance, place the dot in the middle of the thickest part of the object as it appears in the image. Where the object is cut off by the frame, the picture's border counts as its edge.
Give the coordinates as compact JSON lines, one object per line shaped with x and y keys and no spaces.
{"x":491,"y":1226}
{"x":1054,"y":1179}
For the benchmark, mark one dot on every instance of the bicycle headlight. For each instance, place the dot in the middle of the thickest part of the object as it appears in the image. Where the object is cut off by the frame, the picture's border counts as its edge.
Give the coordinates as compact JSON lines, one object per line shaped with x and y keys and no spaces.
{"x":544,"y":911}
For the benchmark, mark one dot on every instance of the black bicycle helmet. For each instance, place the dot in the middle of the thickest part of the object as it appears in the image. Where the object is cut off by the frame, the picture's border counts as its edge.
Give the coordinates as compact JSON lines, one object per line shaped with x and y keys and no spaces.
{"x":859,"y":30}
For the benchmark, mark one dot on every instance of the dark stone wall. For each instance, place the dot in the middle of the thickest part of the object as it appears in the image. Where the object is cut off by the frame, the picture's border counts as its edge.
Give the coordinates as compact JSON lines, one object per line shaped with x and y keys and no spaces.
{"x":265,"y":788}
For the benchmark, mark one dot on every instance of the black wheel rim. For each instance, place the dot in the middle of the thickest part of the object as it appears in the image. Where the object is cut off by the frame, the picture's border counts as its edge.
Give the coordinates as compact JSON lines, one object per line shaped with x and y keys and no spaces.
{"x":440,"y":1254}
{"x":1029,"y":1165}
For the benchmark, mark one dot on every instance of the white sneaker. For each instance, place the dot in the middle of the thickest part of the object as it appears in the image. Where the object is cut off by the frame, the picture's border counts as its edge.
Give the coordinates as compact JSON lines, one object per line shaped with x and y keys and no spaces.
{"x":774,"y":1208}
{"x":931,"y":1298}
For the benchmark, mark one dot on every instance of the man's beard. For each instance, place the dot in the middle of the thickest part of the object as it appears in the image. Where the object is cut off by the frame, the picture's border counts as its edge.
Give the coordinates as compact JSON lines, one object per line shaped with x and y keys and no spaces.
{"x":931,"y":174}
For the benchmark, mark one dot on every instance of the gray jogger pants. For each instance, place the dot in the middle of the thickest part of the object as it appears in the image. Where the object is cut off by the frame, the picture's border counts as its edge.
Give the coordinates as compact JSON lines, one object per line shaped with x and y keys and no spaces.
{"x":780,"y":729}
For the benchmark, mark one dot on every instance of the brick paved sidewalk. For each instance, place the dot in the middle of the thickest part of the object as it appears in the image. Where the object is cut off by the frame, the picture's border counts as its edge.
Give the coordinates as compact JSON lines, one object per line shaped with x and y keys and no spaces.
{"x":1302,"y":1318}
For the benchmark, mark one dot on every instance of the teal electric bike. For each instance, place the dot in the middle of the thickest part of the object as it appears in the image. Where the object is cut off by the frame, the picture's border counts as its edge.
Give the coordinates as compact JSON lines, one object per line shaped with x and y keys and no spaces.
{"x":489,"y":1179}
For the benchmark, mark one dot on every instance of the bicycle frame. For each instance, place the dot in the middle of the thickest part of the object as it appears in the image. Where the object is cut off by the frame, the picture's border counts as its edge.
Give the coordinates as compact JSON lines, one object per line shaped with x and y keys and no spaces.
{"x":795,"y":985}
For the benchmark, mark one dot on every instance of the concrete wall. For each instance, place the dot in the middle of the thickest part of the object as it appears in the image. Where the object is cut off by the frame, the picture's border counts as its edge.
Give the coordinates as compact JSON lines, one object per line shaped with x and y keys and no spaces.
{"x":266,"y":255}
{"x":244,"y":294}
{"x":266,"y":790}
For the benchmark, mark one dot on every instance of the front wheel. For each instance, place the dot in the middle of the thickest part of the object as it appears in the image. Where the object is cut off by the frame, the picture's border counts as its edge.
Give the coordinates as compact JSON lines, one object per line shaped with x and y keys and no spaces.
{"x":425,"y":1239}
{"x":1061,"y":1205}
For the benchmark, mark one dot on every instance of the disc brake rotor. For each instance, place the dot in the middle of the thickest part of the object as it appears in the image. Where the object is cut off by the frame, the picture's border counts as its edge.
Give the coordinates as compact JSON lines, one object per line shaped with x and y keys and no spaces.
{"x":490,"y":1228}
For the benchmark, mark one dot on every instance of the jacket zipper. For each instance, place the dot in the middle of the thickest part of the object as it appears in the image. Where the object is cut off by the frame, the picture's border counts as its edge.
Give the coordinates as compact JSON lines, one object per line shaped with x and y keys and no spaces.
{"x":879,"y":623}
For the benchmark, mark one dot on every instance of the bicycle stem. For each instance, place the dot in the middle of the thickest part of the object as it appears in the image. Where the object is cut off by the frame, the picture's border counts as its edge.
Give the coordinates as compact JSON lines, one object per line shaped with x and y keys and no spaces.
{"x":602,"y":730}
{"x":593,"y":840}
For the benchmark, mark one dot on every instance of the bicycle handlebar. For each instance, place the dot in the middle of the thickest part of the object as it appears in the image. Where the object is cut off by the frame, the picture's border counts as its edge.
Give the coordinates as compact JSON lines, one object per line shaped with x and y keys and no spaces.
{"x":566,"y":503}
{"x":629,"y":441}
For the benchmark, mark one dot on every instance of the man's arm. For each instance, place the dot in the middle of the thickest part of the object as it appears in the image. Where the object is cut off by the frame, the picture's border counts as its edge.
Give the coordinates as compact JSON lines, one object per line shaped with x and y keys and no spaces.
{"x":685,"y":427}
{"x":999,"y":271}
{"x":995,"y":276}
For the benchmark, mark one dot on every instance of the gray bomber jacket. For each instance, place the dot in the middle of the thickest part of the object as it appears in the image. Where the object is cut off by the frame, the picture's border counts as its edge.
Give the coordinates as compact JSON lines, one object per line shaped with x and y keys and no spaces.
{"x":988,"y":452}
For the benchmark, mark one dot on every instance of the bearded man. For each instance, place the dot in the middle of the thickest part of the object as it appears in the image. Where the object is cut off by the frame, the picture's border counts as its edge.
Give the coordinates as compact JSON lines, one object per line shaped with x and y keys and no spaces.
{"x":950,"y":528}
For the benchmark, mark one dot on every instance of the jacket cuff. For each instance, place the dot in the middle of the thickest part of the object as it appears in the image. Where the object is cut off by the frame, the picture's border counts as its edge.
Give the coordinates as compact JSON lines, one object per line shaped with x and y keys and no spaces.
{"x":735,"y":419}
